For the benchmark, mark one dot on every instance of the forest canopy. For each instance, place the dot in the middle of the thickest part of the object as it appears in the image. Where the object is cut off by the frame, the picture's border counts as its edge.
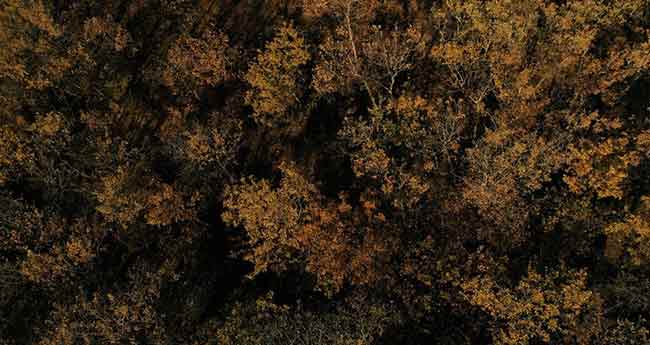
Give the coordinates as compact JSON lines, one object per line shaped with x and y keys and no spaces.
{"x":324,"y":172}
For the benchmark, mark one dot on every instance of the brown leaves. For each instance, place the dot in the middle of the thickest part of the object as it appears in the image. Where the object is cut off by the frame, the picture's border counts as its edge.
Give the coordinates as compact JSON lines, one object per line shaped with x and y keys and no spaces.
{"x":504,"y":169}
{"x":272,"y":217}
{"x":373,"y":58}
{"x":544,"y":308}
{"x":263,"y":322}
{"x":601,"y":165}
{"x":63,"y":252}
{"x":211,"y":146}
{"x":276,"y":79}
{"x":292,"y":223}
{"x":403,"y":145}
{"x":167,"y":206}
{"x":14,"y":153}
{"x":436,"y":149}
{"x":27,"y":36}
{"x":124,"y":197}
{"x":120,"y":200}
{"x":356,"y":11}
{"x":117,"y":317}
{"x":522,"y":51}
{"x":629,"y":239}
{"x":196,"y":63}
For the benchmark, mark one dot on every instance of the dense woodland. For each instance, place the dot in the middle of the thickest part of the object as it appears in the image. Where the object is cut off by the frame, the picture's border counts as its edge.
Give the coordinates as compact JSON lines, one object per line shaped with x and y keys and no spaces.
{"x":324,"y":172}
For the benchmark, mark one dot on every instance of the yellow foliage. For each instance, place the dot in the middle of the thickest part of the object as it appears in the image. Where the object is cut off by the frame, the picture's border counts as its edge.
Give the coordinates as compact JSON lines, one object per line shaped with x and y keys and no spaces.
{"x":504,"y":168}
{"x":195,"y":63}
{"x":167,"y":206}
{"x":14,"y":153}
{"x":271,"y":217}
{"x":275,"y":78}
{"x":521,"y":50}
{"x":601,"y":166}
{"x":366,"y":55}
{"x":49,"y":124}
{"x":119,"y":199}
{"x":291,"y":223}
{"x":630,"y":238}
{"x":549,"y":308}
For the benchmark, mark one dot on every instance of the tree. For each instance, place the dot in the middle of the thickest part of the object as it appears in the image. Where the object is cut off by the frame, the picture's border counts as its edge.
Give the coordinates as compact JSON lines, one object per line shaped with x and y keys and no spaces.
{"x":277,"y":80}
{"x":358,"y":324}
{"x":629,"y":239}
{"x":196,"y":63}
{"x":31,"y":58}
{"x":359,"y":54}
{"x":505,"y":169}
{"x":272,"y":217}
{"x":550,"y":308}
{"x":403,"y":147}
{"x":292,"y":225}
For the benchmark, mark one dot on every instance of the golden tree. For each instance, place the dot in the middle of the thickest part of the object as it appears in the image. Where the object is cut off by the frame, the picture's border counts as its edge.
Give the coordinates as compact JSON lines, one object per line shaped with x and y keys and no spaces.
{"x":276,"y":79}
{"x":550,"y":308}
